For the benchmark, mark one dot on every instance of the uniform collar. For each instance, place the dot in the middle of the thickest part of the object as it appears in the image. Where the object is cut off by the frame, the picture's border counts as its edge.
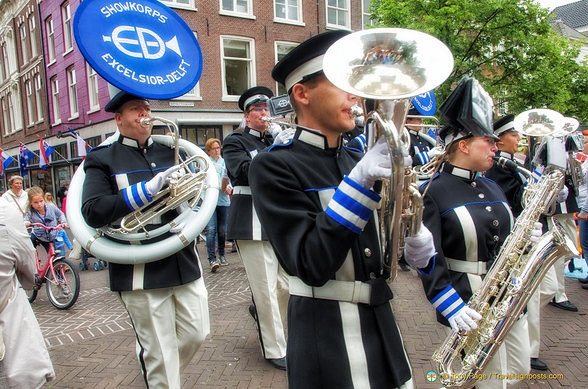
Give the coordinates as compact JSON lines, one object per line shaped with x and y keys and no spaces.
{"x":133,"y":142}
{"x":466,"y":174}
{"x":255,"y":133}
{"x":413,"y":132}
{"x":313,"y":137}
{"x":504,"y":154}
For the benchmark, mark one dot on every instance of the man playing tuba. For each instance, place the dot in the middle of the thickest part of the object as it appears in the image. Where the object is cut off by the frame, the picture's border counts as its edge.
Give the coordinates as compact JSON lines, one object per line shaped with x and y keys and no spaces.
{"x":166,"y":300}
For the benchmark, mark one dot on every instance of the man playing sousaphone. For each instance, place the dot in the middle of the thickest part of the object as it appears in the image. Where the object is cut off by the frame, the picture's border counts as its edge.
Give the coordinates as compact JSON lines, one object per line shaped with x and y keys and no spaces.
{"x":166,"y":300}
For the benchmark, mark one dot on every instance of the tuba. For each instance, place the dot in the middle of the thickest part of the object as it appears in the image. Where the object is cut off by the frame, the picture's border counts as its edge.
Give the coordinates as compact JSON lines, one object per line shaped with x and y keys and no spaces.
{"x":187,"y":189}
{"x":386,"y":67}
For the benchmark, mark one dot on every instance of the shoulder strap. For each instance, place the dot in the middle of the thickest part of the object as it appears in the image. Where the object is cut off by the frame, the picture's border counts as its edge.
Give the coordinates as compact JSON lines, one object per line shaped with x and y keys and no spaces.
{"x":17,"y":204}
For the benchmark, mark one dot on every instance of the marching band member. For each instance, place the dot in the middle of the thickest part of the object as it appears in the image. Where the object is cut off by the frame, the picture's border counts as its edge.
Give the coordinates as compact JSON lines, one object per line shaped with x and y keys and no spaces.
{"x":422,"y":147}
{"x":513,"y":186}
{"x":166,"y":300}
{"x":566,"y":206}
{"x":315,"y":201}
{"x":267,"y":281}
{"x":469,"y":218}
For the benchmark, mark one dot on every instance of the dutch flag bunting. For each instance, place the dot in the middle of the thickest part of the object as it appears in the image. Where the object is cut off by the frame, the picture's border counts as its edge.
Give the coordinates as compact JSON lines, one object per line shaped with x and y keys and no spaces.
{"x":44,"y":152}
{"x":6,"y":161}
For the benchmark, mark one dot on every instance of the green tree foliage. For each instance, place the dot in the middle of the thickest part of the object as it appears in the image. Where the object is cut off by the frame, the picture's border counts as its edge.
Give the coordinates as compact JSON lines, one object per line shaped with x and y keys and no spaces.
{"x":508,"y":45}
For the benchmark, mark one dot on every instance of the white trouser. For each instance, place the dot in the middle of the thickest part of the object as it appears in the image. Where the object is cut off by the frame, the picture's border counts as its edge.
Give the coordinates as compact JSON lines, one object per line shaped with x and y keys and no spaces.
{"x":170,"y":325}
{"x":566,"y":220}
{"x":542,"y":296}
{"x":512,"y":357}
{"x":269,"y":286}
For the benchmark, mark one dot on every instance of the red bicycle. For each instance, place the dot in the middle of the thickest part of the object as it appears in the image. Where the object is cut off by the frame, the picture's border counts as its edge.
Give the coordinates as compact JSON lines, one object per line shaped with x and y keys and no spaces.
{"x":59,"y":275}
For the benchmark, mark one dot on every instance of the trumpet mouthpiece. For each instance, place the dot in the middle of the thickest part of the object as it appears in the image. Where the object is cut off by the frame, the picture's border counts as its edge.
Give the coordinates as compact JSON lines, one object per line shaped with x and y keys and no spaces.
{"x":145,"y":122}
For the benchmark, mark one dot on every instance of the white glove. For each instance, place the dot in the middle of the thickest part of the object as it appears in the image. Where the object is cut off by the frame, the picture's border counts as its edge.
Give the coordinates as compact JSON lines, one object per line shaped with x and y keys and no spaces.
{"x":419,"y":249}
{"x":284,"y":136}
{"x":156,"y":183}
{"x":562,"y":195}
{"x":375,"y":164}
{"x":181,"y":209}
{"x":435,"y":151}
{"x":536,"y":232}
{"x":464,"y":319}
{"x":407,"y":158}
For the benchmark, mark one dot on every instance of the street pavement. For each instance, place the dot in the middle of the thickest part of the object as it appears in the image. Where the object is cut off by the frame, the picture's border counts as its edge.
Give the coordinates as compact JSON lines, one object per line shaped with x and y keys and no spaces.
{"x":92,"y":344}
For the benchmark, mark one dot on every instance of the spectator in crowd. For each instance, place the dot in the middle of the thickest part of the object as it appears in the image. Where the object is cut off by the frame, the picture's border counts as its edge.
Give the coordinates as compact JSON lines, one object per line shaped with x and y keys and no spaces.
{"x":17,"y":196}
{"x":62,"y":193}
{"x":217,"y":226}
{"x":44,"y":213}
{"x":24,"y":359}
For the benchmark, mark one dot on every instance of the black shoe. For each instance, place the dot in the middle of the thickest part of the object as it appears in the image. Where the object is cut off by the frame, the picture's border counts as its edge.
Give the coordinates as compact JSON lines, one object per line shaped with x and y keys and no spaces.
{"x":403,"y":265}
{"x":583,"y":280}
{"x":279,"y":363}
{"x":585,"y":286}
{"x":253,"y":311}
{"x":538,"y":364}
{"x":565,"y":305}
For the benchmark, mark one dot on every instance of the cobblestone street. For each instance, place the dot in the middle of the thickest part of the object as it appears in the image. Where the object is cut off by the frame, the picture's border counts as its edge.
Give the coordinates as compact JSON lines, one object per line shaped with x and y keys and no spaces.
{"x":92,"y":344}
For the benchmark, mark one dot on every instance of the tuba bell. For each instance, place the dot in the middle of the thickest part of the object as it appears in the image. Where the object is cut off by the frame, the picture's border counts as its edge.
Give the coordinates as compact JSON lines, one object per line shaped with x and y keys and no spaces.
{"x":198,"y":176}
{"x":386,"y":67}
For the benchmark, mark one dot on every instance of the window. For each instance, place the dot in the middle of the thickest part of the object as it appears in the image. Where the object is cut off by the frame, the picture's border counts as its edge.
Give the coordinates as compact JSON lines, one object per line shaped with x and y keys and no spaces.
{"x":24,"y":45}
{"x":50,"y":39}
{"x":33,"y":35}
{"x":6,"y":119}
{"x":338,"y":13}
{"x":39,"y":97}
{"x":67,"y":31}
{"x":30,"y":102}
{"x":55,"y":100}
{"x":200,"y":134}
{"x":92,"y":87}
{"x":237,"y":66}
{"x":283,"y":48}
{"x":194,"y":93}
{"x":9,"y":115}
{"x":365,"y":13}
{"x":72,"y":93}
{"x":179,"y":3}
{"x":5,"y":65}
{"x":288,"y":10}
{"x":236,"y":7}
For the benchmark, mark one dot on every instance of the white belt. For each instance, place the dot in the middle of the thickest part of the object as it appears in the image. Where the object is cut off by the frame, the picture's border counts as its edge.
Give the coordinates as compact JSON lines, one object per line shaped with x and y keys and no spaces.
{"x":244,"y":190}
{"x":349,"y":291}
{"x":470,"y":267}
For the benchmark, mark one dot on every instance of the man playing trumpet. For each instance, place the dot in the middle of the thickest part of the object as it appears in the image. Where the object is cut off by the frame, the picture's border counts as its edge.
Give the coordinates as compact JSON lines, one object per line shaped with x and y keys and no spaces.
{"x":166,"y":300}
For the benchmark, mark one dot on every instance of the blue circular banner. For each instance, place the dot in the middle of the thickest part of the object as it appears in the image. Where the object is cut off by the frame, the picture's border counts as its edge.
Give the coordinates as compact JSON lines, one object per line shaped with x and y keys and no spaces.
{"x":425,"y":103}
{"x":143,"y":47}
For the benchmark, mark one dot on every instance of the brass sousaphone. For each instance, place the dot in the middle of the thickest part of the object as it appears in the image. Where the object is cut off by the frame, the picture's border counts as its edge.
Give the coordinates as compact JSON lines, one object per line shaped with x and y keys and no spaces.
{"x":387,"y":67}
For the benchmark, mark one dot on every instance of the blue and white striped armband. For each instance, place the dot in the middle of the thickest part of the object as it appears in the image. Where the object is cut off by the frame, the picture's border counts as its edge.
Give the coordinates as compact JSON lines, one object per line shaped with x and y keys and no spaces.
{"x":352,"y":205}
{"x":423,"y":157}
{"x":136,"y":196}
{"x":448,"y":302}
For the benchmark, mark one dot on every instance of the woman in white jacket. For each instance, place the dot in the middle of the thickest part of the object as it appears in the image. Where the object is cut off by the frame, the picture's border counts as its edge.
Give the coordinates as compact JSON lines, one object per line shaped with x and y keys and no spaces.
{"x":24,"y":359}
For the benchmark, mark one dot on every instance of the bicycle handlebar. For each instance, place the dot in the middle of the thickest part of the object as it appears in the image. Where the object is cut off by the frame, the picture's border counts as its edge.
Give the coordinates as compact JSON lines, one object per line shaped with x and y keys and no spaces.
{"x":57,"y":227}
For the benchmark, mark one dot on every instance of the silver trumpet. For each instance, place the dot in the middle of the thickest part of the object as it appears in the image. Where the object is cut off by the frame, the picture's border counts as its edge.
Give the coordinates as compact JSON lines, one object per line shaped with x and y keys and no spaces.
{"x":386,"y":67}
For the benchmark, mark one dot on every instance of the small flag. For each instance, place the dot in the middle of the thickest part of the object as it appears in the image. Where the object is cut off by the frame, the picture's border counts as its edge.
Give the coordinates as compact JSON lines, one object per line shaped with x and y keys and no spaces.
{"x":44,"y":152}
{"x":25,"y":156}
{"x":81,"y":143}
{"x":6,"y":161}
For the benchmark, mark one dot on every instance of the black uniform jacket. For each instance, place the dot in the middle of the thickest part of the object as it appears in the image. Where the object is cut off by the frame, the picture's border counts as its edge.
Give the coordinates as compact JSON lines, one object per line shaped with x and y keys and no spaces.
{"x":418,"y":145}
{"x":293,"y":185}
{"x":512,"y":183}
{"x":469,"y":218}
{"x":112,"y":173}
{"x":239,"y":149}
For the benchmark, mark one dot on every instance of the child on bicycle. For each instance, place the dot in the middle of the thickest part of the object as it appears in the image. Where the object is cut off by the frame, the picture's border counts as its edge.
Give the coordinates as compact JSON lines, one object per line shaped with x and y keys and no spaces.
{"x":38,"y":211}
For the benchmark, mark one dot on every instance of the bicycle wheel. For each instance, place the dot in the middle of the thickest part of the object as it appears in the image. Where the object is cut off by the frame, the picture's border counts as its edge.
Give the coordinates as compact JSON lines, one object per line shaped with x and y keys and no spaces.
{"x":64,"y":290}
{"x":31,"y":294}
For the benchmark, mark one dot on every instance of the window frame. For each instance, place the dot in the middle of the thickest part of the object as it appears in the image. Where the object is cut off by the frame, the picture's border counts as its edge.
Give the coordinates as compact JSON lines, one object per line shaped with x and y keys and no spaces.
{"x":32,"y":26}
{"x":72,"y":92}
{"x":365,"y":14}
{"x":50,"y":30}
{"x":252,"y":66}
{"x":66,"y":22}
{"x":280,"y":88}
{"x":299,"y":17}
{"x":174,"y":4}
{"x":347,"y":25}
{"x":29,"y":92}
{"x":24,"y":44}
{"x":249,"y":14}
{"x":39,"y":96}
{"x":55,"y":99}
{"x":92,"y":80}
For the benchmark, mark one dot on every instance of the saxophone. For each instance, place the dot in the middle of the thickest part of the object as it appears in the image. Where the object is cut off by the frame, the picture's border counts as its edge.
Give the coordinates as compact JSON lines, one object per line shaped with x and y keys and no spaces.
{"x":506,"y":288}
